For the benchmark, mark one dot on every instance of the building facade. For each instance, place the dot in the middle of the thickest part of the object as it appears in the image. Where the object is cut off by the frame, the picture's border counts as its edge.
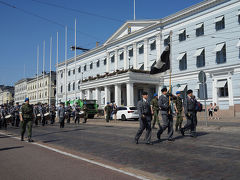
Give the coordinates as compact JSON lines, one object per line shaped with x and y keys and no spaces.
{"x":20,"y":90}
{"x":42,"y":89}
{"x":204,"y":37}
{"x":6,"y":94}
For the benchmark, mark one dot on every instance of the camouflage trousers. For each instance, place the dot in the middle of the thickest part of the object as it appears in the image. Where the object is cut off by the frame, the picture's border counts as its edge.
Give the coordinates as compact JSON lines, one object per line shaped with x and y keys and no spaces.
{"x":179,"y":121}
{"x":155,"y":119}
{"x":26,"y":123}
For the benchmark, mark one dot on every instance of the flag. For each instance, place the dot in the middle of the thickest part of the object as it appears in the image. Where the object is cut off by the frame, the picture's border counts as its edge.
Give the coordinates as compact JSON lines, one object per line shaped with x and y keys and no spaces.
{"x":163,"y":64}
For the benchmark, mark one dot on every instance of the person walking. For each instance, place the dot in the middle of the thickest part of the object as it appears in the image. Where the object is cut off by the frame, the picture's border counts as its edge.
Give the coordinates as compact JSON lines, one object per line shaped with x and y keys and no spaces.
{"x":107,"y":111}
{"x":178,"y":108}
{"x":155,"y":110}
{"x":26,"y":119}
{"x":3,"y":114}
{"x":77,"y":115}
{"x":215,"y":111}
{"x":166,"y":112}
{"x":191,"y":114}
{"x":69,"y":111}
{"x":85,"y":112}
{"x":52,"y":111}
{"x":35,"y":113}
{"x":114,"y":112}
{"x":16,"y":114}
{"x":145,"y":118}
{"x":61,"y":114}
{"x":210,"y":111}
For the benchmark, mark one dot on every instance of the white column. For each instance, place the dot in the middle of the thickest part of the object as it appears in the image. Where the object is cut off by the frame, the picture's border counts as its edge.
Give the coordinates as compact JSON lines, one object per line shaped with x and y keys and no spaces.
{"x":107,"y":94}
{"x":230,"y":90}
{"x":118,"y":94}
{"x":88,"y":94}
{"x":214,"y":91}
{"x":158,"y":46}
{"x":116,"y":60}
{"x":134,"y":55}
{"x":81,"y":95}
{"x":130,"y":94}
{"x":146,"y":54}
{"x":98,"y":96}
{"x":158,"y":90}
{"x":125,"y":54}
{"x":108,"y":62}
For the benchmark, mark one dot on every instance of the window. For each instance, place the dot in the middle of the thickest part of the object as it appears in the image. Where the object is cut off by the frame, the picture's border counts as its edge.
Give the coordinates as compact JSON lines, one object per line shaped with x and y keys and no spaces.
{"x":74,"y":71}
{"x":69,"y":87}
{"x":200,"y":54}
{"x":219,"y":23}
{"x":73,"y":86}
{"x":112,"y":58}
{"x":153,"y":46}
{"x":239,"y":17}
{"x":222,"y":88}
{"x":166,"y":40}
{"x":91,"y":65}
{"x":61,"y":89}
{"x":221,"y":53}
{"x":130,"y":52}
{"x":85,"y":67}
{"x":105,"y":61}
{"x":98,"y":63}
{"x":79,"y":69}
{"x":121,"y":56}
{"x":141,"y":49}
{"x":199,"y":29}
{"x":69,"y":73}
{"x":79,"y":82}
{"x":183,"y":62}
{"x":61,"y":75}
{"x":182,"y":35}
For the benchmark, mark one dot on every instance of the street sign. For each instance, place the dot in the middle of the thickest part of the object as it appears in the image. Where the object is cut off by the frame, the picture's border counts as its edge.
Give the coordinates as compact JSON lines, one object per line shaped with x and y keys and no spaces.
{"x":202,"y":77}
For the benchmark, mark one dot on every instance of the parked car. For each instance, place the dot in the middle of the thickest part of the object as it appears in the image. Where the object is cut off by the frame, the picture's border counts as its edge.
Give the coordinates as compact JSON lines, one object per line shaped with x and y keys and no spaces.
{"x":124,"y":113}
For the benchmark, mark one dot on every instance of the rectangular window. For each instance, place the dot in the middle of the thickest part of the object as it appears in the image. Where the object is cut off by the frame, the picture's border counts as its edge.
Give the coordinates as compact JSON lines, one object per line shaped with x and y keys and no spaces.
{"x":221,"y":55}
{"x":85,"y":67}
{"x":166,"y":40}
{"x":69,"y":87}
{"x":182,"y":35}
{"x":222,"y":87}
{"x":91,"y":65}
{"x":130,"y":53}
{"x":105,"y":61}
{"x":112,"y":58}
{"x":98,"y":63}
{"x":74,"y":71}
{"x":219,"y":23}
{"x":121,"y":56}
{"x":79,"y":69}
{"x":74,"y":86}
{"x":199,"y":29}
{"x":200,"y":58}
{"x":183,"y":63}
{"x":141,"y":50}
{"x":61,"y":75}
{"x":153,"y":46}
{"x":69,"y":73}
{"x":239,"y":18}
{"x":61,"y":89}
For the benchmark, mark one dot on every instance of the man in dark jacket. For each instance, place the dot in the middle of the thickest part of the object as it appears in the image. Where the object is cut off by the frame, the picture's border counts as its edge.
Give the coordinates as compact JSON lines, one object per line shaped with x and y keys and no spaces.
{"x":145,"y":118}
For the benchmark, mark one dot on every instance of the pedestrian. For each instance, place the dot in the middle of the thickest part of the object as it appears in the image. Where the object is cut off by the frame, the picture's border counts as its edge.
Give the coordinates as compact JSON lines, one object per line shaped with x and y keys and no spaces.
{"x":107,"y":111}
{"x":166,"y":112}
{"x":35,"y":113}
{"x":61,"y":114}
{"x":52,"y":111}
{"x":178,"y":108}
{"x":155,"y":110}
{"x":114,"y":112}
{"x":4,"y":113}
{"x":85,"y":112}
{"x":215,"y":110}
{"x":12,"y":113}
{"x":77,"y":114}
{"x":210,"y":111}
{"x":26,"y":118}
{"x":69,"y":111}
{"x":145,"y":118}
{"x":191,"y":114}
{"x":16,"y":114}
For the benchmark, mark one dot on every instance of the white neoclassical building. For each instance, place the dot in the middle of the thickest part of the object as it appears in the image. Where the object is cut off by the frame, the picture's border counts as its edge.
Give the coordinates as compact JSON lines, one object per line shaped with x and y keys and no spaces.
{"x":20,"y":90}
{"x":204,"y":37}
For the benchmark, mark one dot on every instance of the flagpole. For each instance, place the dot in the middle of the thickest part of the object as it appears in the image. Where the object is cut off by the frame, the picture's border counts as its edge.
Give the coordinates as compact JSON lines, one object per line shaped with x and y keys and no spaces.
{"x":57,"y":73}
{"x":43,"y":66}
{"x":66,"y":63}
{"x":37,"y":72}
{"x":75,"y":58}
{"x":134,"y":10}
{"x":50,"y":75}
{"x":170,"y":73}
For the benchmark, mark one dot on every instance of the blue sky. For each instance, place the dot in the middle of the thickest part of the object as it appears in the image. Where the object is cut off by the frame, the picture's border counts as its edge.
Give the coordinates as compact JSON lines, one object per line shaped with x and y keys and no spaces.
{"x":21,"y":33}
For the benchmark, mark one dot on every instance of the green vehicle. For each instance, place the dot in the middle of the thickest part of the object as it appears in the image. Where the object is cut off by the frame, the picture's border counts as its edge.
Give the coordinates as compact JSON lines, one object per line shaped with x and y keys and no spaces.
{"x":91,"y":105}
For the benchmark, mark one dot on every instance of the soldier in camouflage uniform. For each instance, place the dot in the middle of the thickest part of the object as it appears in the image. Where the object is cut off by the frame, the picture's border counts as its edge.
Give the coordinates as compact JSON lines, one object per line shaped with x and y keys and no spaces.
{"x":155,"y":110}
{"x":108,"y":110}
{"x":178,"y":108}
{"x":85,"y":112}
{"x":26,"y":118}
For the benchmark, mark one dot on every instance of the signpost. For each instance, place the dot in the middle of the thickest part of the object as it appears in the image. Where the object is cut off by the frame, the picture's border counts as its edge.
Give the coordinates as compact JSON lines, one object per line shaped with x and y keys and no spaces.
{"x":202,"y":79}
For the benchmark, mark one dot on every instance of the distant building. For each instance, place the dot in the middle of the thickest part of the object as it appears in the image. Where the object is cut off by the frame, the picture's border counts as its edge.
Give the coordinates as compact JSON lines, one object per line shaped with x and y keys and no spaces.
{"x":6,"y":94}
{"x":20,"y":89}
{"x":42,"y":92}
{"x":205,"y":37}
